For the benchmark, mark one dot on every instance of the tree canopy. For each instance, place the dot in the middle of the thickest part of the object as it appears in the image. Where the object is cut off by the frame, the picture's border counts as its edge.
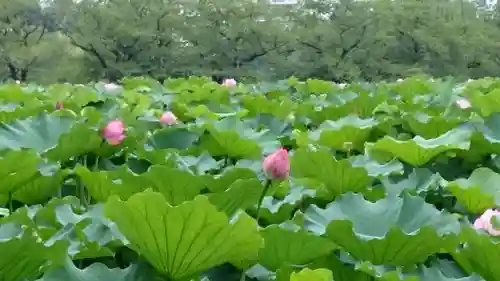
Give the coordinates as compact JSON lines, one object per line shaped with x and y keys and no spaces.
{"x":345,"y":40}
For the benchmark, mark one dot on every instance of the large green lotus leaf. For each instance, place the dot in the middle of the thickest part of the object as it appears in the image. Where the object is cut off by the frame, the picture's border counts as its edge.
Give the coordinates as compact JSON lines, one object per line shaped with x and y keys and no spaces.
{"x":487,"y":140}
{"x":286,"y":247}
{"x":12,"y":111}
{"x":136,"y":103}
{"x":260,"y":104}
{"x":87,"y":233}
{"x":222,"y":181}
{"x":275,"y":125}
{"x":374,"y":168}
{"x":231,"y":145}
{"x":240,"y":195}
{"x":237,"y":139}
{"x":337,"y":176}
{"x":157,"y":156}
{"x":39,"y":133}
{"x":307,"y":274}
{"x":183,"y":240}
{"x":79,"y":140}
{"x":101,"y":230}
{"x":385,"y":110}
{"x":41,"y":188}
{"x":411,"y":87}
{"x":430,"y":127}
{"x":419,"y":181}
{"x":487,"y":103}
{"x":13,"y":92}
{"x":178,"y":138}
{"x":317,"y":86}
{"x":423,"y":273}
{"x":176,"y":186}
{"x":199,"y":165}
{"x":213,"y":111}
{"x":435,"y":274}
{"x":18,"y":168}
{"x":82,"y":96}
{"x":362,"y":105}
{"x":136,"y":83}
{"x":254,"y":165}
{"x":480,"y":148}
{"x":479,"y":192}
{"x":24,"y":255}
{"x":345,"y":134}
{"x":448,"y":267}
{"x":480,"y":254}
{"x":95,"y":272}
{"x":418,"y":151}
{"x":392,"y":231}
{"x":103,"y":184}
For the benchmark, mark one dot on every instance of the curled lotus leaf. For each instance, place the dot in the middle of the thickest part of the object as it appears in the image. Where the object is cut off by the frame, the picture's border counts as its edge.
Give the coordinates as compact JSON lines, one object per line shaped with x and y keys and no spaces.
{"x":392,"y":231}
{"x":419,"y":151}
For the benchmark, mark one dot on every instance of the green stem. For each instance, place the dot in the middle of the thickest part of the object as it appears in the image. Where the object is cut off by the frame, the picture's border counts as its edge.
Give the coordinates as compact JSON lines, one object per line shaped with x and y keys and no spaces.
{"x":11,"y":209}
{"x":96,"y":164}
{"x":85,"y":199}
{"x":81,"y":191}
{"x":261,"y":199}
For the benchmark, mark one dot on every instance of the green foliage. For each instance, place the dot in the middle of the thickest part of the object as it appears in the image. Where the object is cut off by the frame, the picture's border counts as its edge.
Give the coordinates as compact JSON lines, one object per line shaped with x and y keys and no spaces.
{"x":386,"y":182}
{"x":54,"y":41}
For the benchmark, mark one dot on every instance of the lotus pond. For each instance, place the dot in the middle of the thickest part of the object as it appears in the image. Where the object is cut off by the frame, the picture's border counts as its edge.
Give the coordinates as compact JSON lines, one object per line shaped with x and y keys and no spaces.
{"x":148,"y":181}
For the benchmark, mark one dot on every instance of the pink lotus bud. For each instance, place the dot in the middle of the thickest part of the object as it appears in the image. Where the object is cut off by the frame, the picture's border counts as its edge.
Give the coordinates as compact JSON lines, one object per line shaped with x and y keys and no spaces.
{"x":168,"y":118}
{"x":114,"y":132}
{"x":59,"y":105}
{"x":485,"y":222}
{"x":229,"y":82}
{"x":276,"y":165}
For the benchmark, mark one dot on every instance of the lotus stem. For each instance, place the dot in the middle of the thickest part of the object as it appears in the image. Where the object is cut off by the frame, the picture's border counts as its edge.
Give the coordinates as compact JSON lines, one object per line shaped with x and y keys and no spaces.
{"x":11,"y":209}
{"x":81,"y":190}
{"x":261,"y":199}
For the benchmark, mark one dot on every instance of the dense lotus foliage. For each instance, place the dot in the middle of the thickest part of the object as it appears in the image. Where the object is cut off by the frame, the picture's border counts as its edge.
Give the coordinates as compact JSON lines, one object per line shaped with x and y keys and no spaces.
{"x":300,"y":181}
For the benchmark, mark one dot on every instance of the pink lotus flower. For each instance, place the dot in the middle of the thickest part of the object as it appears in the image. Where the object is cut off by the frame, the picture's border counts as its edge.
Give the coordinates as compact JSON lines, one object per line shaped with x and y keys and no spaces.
{"x":229,"y":82}
{"x":276,"y":165}
{"x":114,"y":132}
{"x":59,"y":105}
{"x":485,"y":222}
{"x":168,"y":118}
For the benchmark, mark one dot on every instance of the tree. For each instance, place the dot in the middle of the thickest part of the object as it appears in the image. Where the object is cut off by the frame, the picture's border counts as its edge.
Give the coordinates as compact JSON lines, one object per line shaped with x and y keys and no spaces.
{"x":23,"y":28}
{"x":126,"y":37}
{"x":235,"y":38}
{"x":341,"y":41}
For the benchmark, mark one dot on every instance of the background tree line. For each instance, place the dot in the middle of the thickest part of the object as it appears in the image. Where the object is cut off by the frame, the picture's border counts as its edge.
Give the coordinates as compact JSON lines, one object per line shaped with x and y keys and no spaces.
{"x":49,"y":41}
